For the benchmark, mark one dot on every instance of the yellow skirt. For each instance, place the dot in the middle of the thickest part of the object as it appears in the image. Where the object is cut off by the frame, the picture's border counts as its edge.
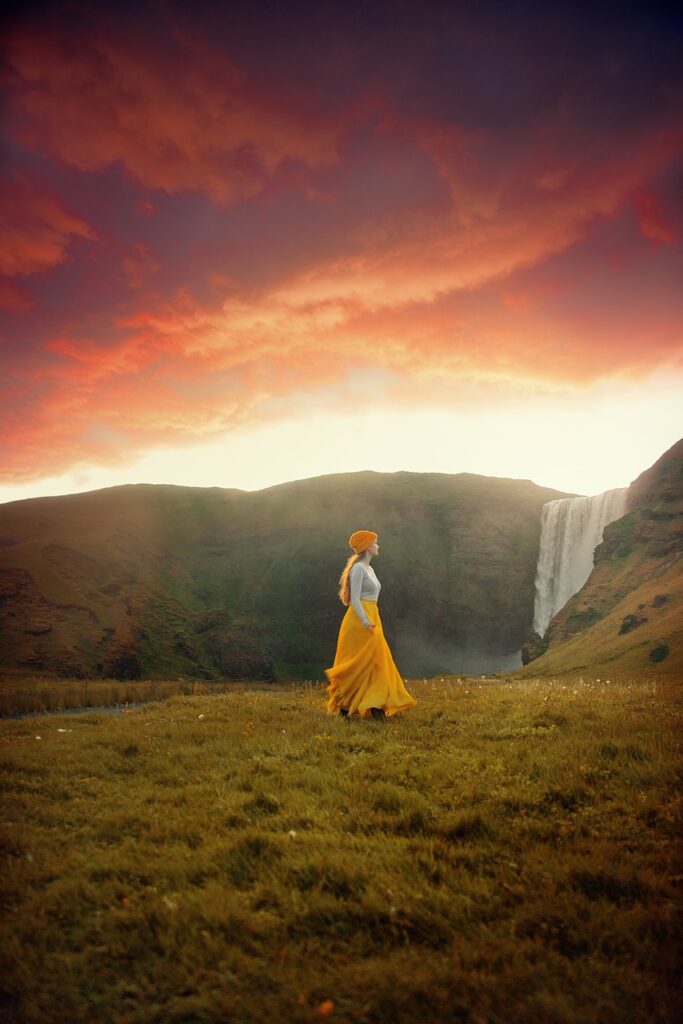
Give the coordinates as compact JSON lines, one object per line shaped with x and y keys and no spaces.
{"x":364,"y":675}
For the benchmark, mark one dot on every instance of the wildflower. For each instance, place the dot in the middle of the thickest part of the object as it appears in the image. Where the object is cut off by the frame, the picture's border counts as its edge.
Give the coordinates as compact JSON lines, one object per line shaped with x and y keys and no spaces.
{"x":325,"y":1008}
{"x":291,"y":834}
{"x":200,"y":716}
{"x":39,"y":737}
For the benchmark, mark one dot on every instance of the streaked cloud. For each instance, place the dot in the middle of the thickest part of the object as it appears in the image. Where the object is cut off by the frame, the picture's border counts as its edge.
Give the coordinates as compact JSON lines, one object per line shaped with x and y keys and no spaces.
{"x":217,"y":223}
{"x":178,"y":113}
{"x":35,"y":229}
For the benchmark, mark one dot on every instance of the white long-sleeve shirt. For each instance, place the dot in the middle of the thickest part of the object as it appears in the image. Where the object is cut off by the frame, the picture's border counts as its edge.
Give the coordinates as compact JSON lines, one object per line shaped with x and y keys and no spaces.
{"x":364,"y":586}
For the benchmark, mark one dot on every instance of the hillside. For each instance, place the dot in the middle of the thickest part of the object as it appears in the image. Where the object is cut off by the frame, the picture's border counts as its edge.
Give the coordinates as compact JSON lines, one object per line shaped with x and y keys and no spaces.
{"x":628,"y":617}
{"x":159,"y":581}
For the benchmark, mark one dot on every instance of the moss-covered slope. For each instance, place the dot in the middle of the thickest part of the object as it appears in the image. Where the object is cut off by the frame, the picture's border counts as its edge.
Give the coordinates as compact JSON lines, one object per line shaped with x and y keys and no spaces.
{"x":628,"y":617}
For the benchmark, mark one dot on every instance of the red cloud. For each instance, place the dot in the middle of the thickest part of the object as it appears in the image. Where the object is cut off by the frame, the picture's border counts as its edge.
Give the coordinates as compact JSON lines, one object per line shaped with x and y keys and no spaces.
{"x":192,"y":121}
{"x":427,"y":250}
{"x":497,"y":225}
{"x":654,"y":222}
{"x":14,"y":298}
{"x":139,"y":267}
{"x":35,"y":229}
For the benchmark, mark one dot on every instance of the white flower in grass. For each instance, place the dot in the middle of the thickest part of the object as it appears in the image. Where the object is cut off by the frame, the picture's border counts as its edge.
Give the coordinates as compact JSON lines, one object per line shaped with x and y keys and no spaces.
{"x":39,"y":737}
{"x":291,"y":834}
{"x":201,"y":716}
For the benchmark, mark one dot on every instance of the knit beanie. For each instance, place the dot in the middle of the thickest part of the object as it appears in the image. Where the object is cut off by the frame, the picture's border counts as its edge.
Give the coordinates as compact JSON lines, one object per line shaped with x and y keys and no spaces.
{"x":361,"y":540}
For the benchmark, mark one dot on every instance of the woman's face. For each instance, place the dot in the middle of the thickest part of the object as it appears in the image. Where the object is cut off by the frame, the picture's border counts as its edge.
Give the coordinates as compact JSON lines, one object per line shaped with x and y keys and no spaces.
{"x":374,"y":548}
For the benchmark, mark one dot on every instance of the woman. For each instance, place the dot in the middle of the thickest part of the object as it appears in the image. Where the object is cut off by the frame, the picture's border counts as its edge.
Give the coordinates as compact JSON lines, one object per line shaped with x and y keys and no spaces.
{"x":364,"y":682}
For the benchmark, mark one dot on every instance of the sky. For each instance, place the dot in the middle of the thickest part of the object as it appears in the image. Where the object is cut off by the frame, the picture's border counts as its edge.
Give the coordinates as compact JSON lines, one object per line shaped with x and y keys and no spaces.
{"x":244,"y":244}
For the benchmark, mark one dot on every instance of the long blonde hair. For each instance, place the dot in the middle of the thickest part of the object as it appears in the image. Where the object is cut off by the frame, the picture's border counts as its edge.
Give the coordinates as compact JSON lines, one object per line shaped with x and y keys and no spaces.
{"x":344,"y":586}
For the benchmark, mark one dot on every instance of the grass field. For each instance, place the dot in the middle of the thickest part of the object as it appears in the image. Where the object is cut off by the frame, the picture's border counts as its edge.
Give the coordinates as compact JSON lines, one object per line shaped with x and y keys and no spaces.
{"x":502,"y":853}
{"x":21,"y":693}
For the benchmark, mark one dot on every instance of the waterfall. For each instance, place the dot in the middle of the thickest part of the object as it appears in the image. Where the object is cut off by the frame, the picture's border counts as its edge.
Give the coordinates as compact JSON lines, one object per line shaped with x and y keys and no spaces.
{"x":571,"y":529}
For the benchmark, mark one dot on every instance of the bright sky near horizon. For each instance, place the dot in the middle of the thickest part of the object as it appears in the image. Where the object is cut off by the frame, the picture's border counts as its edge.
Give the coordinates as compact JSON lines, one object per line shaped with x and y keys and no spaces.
{"x":240,"y":248}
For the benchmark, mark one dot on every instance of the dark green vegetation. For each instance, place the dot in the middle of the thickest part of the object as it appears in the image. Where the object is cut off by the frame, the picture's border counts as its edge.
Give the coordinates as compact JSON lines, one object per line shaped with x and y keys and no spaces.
{"x":144,"y":581}
{"x":502,"y":853}
{"x":628,"y":618}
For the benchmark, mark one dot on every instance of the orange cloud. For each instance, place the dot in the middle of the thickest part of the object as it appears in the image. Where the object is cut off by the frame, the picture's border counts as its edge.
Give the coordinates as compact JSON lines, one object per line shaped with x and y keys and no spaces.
{"x":193,"y":123}
{"x":35,"y":230}
{"x":186,"y":370}
{"x":90,"y":363}
{"x":104,"y":407}
{"x":260,"y":242}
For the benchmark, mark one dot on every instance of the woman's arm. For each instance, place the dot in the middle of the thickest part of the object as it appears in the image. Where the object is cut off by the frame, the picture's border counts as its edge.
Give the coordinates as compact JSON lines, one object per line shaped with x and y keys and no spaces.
{"x":356,"y":582}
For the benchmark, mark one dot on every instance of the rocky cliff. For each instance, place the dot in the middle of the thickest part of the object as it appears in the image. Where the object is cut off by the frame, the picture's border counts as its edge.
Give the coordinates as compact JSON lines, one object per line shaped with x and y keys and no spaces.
{"x":628,"y":617}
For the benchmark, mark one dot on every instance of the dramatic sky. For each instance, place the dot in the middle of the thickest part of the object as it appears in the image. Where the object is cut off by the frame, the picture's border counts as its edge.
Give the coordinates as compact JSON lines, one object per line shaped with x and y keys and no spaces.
{"x":252,"y":243}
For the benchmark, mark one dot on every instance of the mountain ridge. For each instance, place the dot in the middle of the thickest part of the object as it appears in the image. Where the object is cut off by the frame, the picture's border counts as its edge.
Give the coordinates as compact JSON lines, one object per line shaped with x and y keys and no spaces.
{"x":290,"y":483}
{"x":160,"y":580}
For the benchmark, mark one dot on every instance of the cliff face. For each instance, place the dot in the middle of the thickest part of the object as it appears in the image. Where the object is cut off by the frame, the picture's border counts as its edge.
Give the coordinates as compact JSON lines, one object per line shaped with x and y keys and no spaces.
{"x":660,"y":486}
{"x":628,"y":617}
{"x":161,"y":581}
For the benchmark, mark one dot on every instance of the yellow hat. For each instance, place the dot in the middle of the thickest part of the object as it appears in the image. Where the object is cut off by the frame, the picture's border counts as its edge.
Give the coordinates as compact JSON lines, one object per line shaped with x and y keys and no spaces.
{"x":361,"y":540}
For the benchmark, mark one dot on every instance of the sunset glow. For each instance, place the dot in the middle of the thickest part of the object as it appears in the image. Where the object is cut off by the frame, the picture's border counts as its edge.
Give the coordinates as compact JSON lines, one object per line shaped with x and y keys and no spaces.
{"x":240,"y":248}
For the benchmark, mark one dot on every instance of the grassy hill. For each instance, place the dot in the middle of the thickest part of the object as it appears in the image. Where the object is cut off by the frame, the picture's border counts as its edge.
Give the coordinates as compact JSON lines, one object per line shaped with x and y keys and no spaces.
{"x":502,"y":853}
{"x":159,"y":581}
{"x":628,"y":617}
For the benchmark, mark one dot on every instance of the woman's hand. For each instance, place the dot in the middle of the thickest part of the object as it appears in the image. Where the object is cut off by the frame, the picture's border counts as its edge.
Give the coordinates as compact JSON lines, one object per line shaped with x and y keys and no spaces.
{"x":370,"y":626}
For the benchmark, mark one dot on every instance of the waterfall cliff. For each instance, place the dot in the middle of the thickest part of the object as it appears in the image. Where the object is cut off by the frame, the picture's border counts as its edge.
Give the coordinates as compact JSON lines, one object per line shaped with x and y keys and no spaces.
{"x":571,"y":529}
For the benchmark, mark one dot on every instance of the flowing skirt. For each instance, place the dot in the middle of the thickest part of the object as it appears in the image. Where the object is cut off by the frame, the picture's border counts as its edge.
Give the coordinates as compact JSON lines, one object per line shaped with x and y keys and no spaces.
{"x":364,"y":675}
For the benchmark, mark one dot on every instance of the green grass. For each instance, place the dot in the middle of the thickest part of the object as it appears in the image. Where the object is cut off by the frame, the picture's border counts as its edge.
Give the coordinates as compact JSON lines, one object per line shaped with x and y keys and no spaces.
{"x":503,"y":853}
{"x":588,"y":634}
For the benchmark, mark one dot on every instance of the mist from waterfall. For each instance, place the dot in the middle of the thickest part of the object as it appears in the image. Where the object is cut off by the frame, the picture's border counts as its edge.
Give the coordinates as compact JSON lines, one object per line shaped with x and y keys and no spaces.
{"x":571,"y":529}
